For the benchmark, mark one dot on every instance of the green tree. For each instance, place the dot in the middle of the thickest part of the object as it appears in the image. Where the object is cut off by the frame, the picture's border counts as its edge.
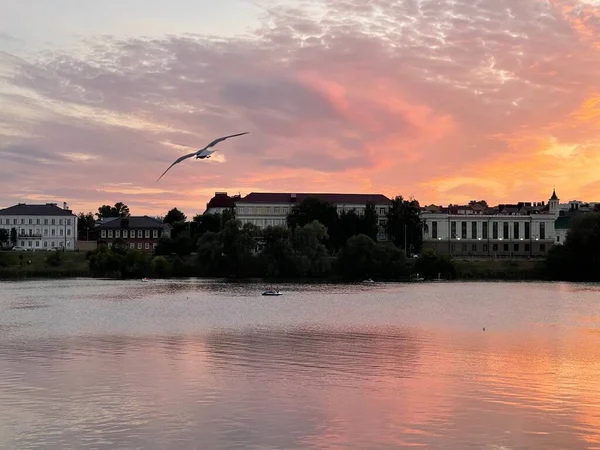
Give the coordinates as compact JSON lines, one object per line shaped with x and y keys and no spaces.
{"x":277,"y":252}
{"x":579,"y":258}
{"x":210,"y":254}
{"x":85,"y":223}
{"x":4,"y":237}
{"x":313,"y":209}
{"x":431,"y":265}
{"x":370,"y":222}
{"x":120,"y":209}
{"x":311,"y":253}
{"x":161,"y":268}
{"x":174,"y":216}
{"x":13,"y":236}
{"x":404,"y":227}
{"x":362,"y":258}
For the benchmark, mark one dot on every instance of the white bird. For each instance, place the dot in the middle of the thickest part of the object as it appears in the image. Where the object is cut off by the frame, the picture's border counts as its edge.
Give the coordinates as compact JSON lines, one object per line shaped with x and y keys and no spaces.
{"x":203,"y":152}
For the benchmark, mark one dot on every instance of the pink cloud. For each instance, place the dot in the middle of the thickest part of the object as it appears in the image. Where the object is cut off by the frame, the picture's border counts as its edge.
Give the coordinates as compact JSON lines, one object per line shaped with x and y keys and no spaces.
{"x":445,"y":101}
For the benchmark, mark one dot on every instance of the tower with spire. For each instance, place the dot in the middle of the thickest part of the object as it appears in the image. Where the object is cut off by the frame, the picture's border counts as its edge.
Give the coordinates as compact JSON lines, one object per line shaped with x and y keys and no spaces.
{"x":554,"y":203}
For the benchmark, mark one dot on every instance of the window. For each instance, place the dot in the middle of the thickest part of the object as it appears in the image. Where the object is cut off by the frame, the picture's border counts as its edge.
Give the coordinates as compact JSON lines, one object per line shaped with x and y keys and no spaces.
{"x":117,"y":233}
{"x":68,"y":221}
{"x":154,"y":245}
{"x":434,"y":231}
{"x":37,"y":221}
{"x":505,"y":230}
{"x":494,"y":230}
{"x":29,"y":244}
{"x":516,"y":247}
{"x":474,"y":247}
{"x":61,"y":231}
{"x":147,"y":246}
{"x":542,"y":247}
{"x":52,"y":244}
{"x":453,"y":230}
{"x":53,"y":221}
{"x":516,"y":230}
{"x":154,"y":234}
{"x":474,"y":230}
{"x":495,"y":247}
{"x":53,"y":232}
{"x":527,"y":230}
{"x":125,"y":233}
{"x":463,"y":230}
{"x":14,"y":221}
{"x":45,"y":231}
{"x":557,"y":238}
{"x":464,"y":247}
{"x":68,"y":232}
{"x":140,"y":234}
{"x":22,"y":243}
{"x":103,"y":233}
{"x":30,"y":221}
{"x":60,"y":221}
{"x":22,"y":221}
{"x":110,"y":233}
{"x":484,"y":230}
{"x":139,"y":245}
{"x":382,"y":211}
{"x":45,"y":243}
{"x":505,"y":247}
{"x":526,"y":247}
{"x":276,"y":210}
{"x":147,"y":234}
{"x":132,"y":245}
{"x":45,"y":221}
{"x":542,"y":230}
{"x":30,"y":232}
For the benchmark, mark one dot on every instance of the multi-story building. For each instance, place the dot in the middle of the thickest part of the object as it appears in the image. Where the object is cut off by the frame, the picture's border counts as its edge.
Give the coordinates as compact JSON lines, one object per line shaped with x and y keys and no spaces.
{"x":265,"y":209}
{"x":519,"y":230}
{"x":136,"y":232}
{"x":41,"y":227}
{"x":220,"y":202}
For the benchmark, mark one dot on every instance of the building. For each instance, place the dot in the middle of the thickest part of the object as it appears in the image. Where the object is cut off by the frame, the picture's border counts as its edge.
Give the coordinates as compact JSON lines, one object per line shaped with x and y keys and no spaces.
{"x":508,"y":230}
{"x":220,"y":202}
{"x":41,"y":227}
{"x":265,"y":209}
{"x":136,"y":232}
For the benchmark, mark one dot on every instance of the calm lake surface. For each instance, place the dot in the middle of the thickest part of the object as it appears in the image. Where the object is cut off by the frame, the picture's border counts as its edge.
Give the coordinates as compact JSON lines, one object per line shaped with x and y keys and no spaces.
{"x":195,"y":364}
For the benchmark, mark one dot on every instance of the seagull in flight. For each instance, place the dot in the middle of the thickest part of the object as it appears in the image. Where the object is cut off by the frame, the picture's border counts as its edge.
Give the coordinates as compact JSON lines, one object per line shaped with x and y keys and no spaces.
{"x":203,"y":152}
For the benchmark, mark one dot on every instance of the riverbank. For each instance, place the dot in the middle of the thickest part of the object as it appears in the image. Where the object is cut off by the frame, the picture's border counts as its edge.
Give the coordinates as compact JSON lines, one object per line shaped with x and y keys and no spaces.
{"x":20,"y":265}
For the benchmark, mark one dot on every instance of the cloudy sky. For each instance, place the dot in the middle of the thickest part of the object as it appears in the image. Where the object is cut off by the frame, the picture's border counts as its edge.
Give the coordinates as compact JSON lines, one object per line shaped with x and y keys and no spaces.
{"x":445,"y":100}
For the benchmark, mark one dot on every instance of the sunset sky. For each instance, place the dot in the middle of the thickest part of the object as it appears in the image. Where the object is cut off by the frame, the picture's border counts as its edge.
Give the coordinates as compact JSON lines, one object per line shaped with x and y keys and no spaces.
{"x":444,"y":100}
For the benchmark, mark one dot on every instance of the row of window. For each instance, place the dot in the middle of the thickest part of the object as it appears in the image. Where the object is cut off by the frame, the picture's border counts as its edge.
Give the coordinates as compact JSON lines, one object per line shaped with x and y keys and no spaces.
{"x":496,"y":247}
{"x":129,"y":234}
{"x":140,"y":246}
{"x":508,"y":232}
{"x":285,"y":210}
{"x":46,"y":232}
{"x":37,"y":244}
{"x":37,"y":221}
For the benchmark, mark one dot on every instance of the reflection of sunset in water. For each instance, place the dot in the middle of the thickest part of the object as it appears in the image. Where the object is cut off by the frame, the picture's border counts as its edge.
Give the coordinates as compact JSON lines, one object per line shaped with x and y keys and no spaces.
{"x":217,"y":366}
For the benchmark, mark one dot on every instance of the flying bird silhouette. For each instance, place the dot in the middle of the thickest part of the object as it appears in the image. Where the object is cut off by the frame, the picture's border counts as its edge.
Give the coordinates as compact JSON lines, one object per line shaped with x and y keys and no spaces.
{"x":202,"y":153}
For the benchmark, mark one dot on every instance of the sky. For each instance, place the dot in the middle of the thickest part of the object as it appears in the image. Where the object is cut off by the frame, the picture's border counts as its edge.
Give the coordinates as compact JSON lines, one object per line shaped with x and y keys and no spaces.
{"x":443,"y":100}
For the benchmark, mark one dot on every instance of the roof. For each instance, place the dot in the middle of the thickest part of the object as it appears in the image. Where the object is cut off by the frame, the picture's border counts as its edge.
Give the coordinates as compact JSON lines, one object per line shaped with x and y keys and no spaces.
{"x":563,"y":222}
{"x":554,"y":197}
{"x":222,"y":200}
{"x":336,"y":199}
{"x":22,"y":209}
{"x":132,"y":222}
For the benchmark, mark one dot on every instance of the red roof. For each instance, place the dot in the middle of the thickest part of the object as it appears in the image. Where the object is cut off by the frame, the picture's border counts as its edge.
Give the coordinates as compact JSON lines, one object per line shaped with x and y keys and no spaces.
{"x":336,"y":199}
{"x":221,"y":200}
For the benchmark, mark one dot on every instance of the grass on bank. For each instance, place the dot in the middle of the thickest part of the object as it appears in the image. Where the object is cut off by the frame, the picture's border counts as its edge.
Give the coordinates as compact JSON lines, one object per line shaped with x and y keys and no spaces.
{"x":43,"y":264}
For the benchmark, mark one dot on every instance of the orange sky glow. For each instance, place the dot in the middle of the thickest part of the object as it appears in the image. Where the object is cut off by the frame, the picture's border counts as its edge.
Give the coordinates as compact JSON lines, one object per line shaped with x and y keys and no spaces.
{"x":446,"y":101}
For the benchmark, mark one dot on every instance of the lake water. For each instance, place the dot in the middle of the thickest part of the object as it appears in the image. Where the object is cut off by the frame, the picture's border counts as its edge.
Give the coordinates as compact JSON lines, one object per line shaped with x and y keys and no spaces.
{"x":96,"y":364}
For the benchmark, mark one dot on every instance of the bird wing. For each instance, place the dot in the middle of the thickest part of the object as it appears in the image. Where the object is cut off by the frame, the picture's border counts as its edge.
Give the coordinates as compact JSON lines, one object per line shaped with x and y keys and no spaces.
{"x":178,"y":160}
{"x":216,"y":141}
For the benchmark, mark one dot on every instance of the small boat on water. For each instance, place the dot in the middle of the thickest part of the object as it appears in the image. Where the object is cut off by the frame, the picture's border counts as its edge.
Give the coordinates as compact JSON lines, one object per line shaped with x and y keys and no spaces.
{"x":145,"y":279}
{"x":368,"y":280}
{"x":272,"y":292}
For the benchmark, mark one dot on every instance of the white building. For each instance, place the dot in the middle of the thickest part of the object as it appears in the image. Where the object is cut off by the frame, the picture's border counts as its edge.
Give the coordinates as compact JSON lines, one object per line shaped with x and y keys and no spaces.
{"x":265,"y":209}
{"x":41,"y":227}
{"x":527,"y":231}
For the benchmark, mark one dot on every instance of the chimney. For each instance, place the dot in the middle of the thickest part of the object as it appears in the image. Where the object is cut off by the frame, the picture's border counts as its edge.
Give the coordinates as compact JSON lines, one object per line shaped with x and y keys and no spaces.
{"x":65,"y":206}
{"x":293,"y":197}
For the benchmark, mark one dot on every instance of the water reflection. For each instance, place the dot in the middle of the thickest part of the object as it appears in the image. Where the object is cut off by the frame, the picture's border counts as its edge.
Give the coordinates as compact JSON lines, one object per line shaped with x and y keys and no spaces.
{"x":351,"y":381}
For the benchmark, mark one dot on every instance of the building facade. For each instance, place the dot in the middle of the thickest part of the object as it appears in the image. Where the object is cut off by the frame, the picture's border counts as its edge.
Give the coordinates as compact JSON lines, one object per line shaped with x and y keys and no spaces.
{"x":523,"y":230}
{"x":265,"y":209}
{"x":135,"y":232}
{"x":41,"y":227}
